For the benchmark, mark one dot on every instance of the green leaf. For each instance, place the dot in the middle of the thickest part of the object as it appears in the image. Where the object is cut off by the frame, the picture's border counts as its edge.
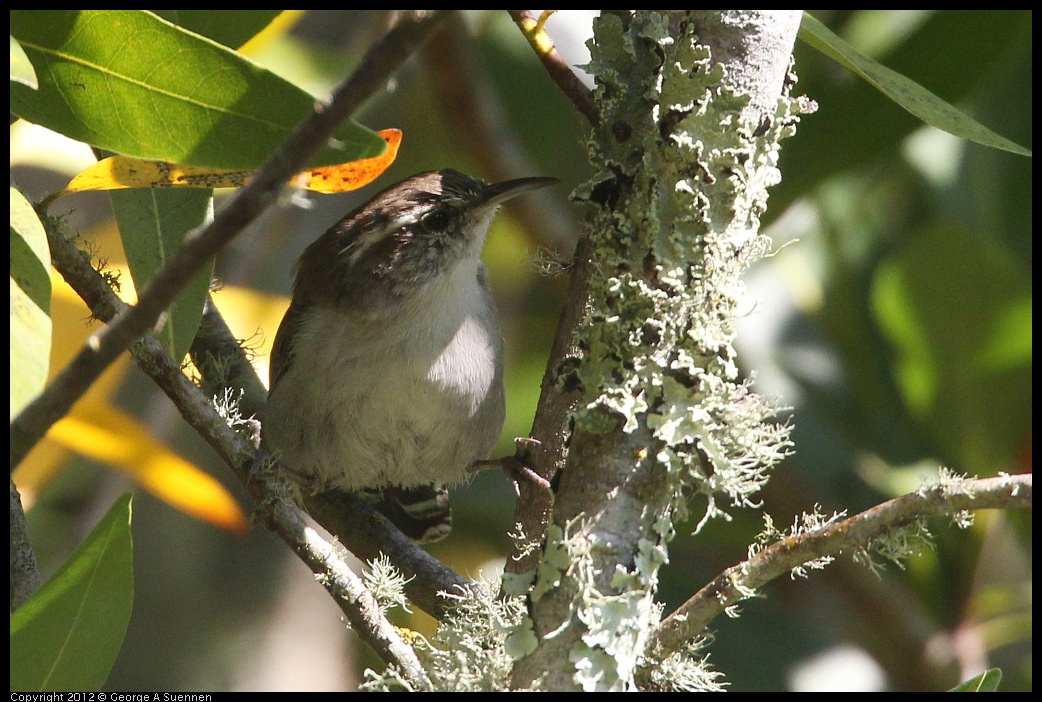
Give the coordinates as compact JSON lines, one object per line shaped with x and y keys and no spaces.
{"x":904,"y":91}
{"x":66,"y":636}
{"x":130,"y":82}
{"x":21,"y":67}
{"x":30,"y":304}
{"x":988,"y":681}
{"x":152,"y":224}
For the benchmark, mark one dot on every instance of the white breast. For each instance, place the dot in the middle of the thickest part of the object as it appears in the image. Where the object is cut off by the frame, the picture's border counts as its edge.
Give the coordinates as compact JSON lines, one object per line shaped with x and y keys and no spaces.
{"x":414,"y":400}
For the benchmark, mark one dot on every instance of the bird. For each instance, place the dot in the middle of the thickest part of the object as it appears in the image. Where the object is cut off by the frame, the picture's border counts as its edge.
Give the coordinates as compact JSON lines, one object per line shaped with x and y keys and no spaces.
{"x":386,"y":376}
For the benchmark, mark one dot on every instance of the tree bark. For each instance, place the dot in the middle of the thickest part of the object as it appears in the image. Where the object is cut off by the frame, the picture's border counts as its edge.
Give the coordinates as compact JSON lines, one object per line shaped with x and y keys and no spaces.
{"x":691,"y":107}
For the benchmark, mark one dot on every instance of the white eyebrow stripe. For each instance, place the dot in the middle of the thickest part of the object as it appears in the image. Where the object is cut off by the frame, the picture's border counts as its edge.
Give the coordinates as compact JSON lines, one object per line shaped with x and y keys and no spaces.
{"x":357,"y":247}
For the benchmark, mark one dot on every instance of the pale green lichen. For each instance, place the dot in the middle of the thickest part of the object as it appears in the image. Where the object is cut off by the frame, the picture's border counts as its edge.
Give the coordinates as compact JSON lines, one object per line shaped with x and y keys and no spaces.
{"x":802,"y":524}
{"x":948,"y":481}
{"x":680,"y":187}
{"x":610,"y":648}
{"x":685,"y":671}
{"x":659,"y":345}
{"x":469,"y":652}
{"x":387,"y":584}
{"x":896,"y":545}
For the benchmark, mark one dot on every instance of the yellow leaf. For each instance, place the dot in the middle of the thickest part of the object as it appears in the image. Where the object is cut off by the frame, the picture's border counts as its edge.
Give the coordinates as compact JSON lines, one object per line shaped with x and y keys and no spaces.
{"x":121,"y":172}
{"x":275,"y":31}
{"x":120,"y":441}
{"x":354,"y":174}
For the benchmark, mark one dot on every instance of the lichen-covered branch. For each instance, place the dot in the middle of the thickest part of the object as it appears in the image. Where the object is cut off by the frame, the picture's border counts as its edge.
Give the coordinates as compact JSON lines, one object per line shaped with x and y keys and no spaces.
{"x":854,"y":535}
{"x":686,"y":148}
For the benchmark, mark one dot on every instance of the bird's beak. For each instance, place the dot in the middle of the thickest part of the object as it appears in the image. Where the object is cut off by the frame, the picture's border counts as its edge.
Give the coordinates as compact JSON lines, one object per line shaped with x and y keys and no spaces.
{"x":498,"y":193}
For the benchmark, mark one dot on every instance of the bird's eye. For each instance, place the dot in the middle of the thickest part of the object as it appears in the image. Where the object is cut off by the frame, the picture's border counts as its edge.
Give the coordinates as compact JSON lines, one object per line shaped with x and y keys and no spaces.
{"x":435,"y":220}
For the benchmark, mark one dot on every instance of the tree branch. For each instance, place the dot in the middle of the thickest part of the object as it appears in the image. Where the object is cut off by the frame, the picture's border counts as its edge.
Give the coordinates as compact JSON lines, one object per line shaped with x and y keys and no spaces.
{"x":682,"y":166}
{"x":557,"y":397}
{"x":25,"y":573}
{"x":367,"y":534}
{"x":739,"y":581}
{"x":246,"y":204}
{"x":560,"y":72}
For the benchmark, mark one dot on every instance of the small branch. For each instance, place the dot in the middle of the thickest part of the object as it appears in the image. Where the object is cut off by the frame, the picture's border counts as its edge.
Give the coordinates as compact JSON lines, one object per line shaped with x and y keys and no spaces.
{"x":326,"y":559}
{"x":223,"y":363}
{"x":242,"y":456}
{"x":367,"y":533}
{"x":556,"y":400}
{"x":479,"y":123}
{"x":25,"y":573}
{"x":560,"y":72}
{"x":738,"y":581}
{"x":246,"y":204}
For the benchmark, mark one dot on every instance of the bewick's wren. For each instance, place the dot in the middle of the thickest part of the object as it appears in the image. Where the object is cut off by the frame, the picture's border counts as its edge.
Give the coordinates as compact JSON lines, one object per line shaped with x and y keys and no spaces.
{"x":387,"y":370}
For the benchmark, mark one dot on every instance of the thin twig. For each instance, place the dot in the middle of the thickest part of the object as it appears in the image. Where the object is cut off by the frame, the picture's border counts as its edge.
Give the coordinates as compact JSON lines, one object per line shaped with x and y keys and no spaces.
{"x":245,"y":205}
{"x":556,"y":400}
{"x":479,"y":123}
{"x":223,"y":363}
{"x":738,"y":581}
{"x":558,"y":69}
{"x":368,"y":534}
